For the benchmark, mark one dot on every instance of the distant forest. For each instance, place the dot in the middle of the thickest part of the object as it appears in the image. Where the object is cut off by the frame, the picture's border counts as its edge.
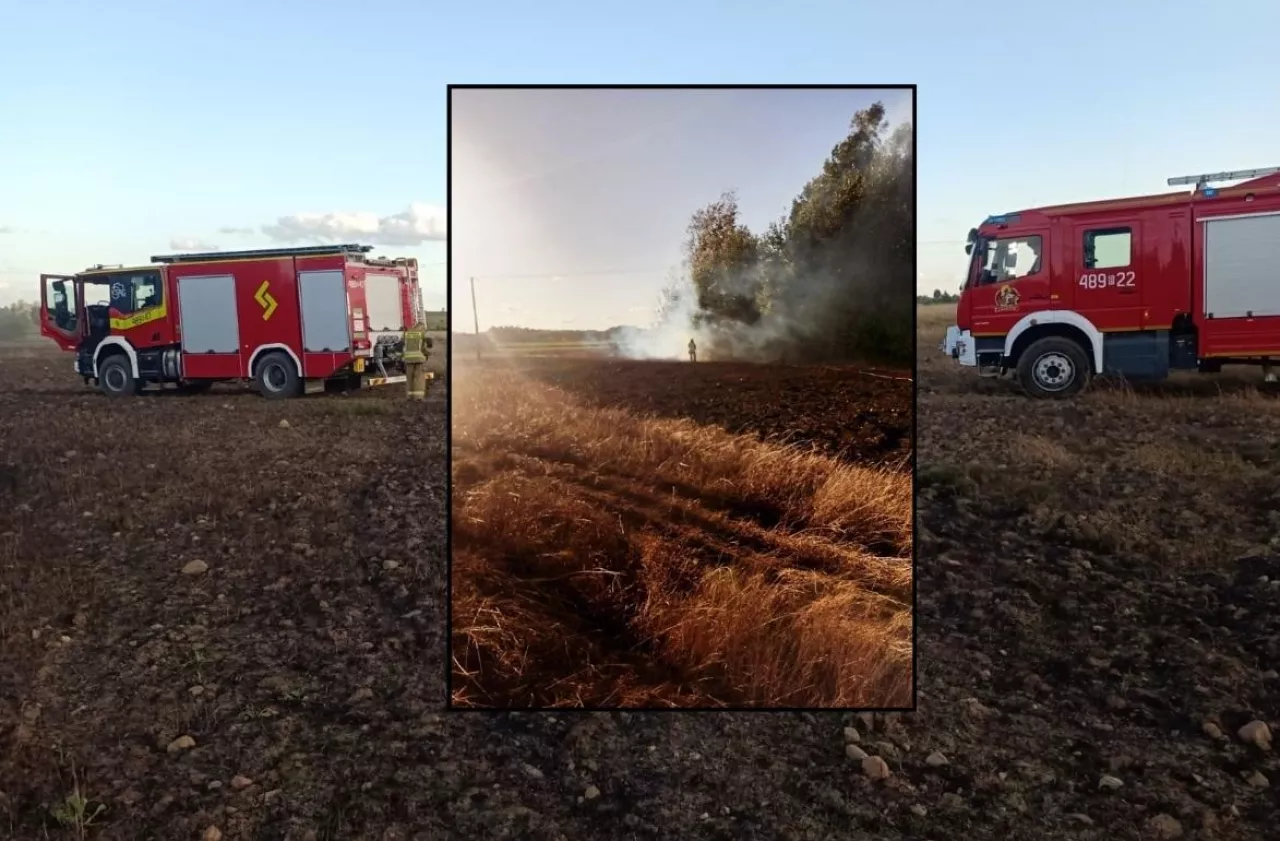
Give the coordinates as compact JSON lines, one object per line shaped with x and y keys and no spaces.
{"x":19,"y":320}
{"x":938,"y":297}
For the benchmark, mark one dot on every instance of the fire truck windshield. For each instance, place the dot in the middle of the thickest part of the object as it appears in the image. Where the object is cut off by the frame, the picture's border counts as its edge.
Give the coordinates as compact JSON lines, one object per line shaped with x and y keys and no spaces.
{"x":97,"y":293}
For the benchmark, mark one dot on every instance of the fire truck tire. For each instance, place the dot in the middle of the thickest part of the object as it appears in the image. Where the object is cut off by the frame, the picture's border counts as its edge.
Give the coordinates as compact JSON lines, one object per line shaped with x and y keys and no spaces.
{"x":1054,"y":368}
{"x":276,"y":377}
{"x":116,"y":379}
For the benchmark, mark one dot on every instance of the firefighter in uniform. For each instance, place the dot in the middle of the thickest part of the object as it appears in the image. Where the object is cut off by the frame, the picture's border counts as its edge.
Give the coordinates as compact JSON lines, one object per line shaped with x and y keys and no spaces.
{"x":693,"y":351}
{"x":415,"y":360}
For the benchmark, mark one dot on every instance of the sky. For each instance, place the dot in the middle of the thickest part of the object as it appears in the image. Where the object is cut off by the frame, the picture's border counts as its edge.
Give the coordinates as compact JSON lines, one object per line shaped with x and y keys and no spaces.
{"x":128,"y":127}
{"x":569,"y":208}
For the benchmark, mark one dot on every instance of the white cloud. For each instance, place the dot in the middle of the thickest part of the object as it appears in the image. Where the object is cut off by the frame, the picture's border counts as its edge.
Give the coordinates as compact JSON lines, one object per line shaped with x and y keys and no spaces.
{"x":6,"y":229}
{"x":233,"y":231}
{"x":420,"y":223}
{"x":191,"y":244}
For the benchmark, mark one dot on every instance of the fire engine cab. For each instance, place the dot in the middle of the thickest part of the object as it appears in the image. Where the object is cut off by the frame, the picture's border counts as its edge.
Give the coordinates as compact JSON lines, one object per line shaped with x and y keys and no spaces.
{"x":1135,"y":287}
{"x":289,"y":320}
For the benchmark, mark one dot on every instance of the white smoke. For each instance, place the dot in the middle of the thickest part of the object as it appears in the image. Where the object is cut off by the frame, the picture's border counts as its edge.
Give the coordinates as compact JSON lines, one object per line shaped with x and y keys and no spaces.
{"x":669,"y":334}
{"x":675,"y":322}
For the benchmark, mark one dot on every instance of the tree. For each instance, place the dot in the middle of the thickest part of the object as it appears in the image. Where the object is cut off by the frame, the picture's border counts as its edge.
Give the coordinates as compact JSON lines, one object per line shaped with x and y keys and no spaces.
{"x":830,"y":281}
{"x":721,"y":257}
{"x":19,"y":320}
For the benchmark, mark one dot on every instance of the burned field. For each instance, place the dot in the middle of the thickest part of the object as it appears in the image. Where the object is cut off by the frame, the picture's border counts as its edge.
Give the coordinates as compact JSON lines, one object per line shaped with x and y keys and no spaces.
{"x":859,"y":415}
{"x":640,"y":534}
{"x":1099,"y":597}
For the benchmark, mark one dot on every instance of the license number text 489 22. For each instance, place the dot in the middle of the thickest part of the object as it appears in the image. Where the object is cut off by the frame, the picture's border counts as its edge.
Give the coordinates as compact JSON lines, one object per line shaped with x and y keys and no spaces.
{"x":1102,"y":280}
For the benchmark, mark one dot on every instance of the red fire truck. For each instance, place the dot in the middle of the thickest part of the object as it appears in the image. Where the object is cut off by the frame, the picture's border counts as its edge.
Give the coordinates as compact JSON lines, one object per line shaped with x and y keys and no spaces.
{"x":291,"y":320}
{"x":1133,"y":287}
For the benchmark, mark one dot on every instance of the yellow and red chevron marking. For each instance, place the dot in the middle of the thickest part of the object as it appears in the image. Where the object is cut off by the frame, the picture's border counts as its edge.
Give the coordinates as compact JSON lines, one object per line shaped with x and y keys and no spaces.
{"x":264,"y":299}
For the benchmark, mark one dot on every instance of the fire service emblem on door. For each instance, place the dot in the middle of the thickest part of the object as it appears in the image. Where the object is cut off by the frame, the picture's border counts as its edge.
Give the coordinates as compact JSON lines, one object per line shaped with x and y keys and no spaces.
{"x":1006,"y":299}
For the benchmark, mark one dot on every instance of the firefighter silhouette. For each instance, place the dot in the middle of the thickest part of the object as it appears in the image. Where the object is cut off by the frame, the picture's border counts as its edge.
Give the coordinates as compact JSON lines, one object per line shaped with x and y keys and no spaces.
{"x":693,"y":351}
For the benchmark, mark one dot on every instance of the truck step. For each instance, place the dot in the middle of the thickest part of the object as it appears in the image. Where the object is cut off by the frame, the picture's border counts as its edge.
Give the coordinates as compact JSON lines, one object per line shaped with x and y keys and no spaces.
{"x":988,"y":371}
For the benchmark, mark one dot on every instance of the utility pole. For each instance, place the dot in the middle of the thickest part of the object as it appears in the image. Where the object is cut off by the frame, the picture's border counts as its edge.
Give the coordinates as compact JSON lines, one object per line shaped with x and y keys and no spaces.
{"x":475,"y":315}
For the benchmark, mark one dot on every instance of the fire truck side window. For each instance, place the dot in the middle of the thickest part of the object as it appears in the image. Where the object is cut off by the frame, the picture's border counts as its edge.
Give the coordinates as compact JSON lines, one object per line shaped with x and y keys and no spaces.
{"x":1108,"y":248}
{"x":146,"y":292}
{"x":61,"y":302}
{"x":130,"y":293}
{"x":1011,"y":258}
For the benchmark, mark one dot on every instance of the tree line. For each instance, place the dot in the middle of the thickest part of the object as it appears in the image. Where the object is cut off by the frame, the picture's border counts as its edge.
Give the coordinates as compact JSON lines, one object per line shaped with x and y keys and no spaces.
{"x":19,"y":320}
{"x":832,"y":280}
{"x":938,"y":297}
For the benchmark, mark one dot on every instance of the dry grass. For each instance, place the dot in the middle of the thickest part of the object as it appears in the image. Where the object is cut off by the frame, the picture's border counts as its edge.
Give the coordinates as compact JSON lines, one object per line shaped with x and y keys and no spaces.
{"x":607,"y":559}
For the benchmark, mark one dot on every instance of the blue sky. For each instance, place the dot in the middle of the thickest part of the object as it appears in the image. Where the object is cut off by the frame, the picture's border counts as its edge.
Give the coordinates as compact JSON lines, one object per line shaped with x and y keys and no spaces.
{"x":570,"y":207}
{"x":130,"y":125}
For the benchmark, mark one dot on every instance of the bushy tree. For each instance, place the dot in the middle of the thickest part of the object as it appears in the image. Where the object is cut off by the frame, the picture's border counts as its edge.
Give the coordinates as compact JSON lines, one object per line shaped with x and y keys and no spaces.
{"x":832,"y":280}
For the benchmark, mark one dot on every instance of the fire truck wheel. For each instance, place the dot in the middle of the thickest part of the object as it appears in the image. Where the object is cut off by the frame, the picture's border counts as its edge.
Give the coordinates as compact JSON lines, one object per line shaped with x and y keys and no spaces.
{"x":116,"y":379}
{"x":1054,"y":367}
{"x":276,"y":377}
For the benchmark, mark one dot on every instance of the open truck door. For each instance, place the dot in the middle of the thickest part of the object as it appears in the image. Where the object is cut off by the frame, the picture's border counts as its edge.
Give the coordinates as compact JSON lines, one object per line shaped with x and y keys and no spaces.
{"x":59,"y":310}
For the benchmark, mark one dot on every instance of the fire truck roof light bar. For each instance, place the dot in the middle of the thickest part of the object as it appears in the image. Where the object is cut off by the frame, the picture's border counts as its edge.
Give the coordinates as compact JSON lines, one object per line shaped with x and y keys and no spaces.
{"x":306,"y":251}
{"x":1209,"y":178}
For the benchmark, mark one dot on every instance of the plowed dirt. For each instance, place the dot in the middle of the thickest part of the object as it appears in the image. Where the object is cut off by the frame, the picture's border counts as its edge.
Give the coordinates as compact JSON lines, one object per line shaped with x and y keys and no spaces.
{"x":860,"y":415}
{"x":1099,"y":605}
{"x":1084,"y":609}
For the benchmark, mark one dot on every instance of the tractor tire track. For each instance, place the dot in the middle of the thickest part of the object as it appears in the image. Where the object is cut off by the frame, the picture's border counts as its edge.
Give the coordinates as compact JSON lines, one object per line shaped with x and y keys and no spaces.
{"x":731,"y":538}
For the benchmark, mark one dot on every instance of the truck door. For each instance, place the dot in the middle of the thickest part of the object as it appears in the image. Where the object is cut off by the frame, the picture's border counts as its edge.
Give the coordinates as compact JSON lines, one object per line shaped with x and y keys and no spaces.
{"x":1108,"y":280}
{"x":59,"y":310}
{"x":1012,"y":280}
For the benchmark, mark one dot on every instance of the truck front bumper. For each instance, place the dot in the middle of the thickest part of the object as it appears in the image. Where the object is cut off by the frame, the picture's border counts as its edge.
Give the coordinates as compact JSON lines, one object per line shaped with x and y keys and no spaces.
{"x":958,"y":344}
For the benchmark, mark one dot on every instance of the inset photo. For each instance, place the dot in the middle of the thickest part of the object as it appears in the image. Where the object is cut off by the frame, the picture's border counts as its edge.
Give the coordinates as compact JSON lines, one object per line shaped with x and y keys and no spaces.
{"x":681,"y":397}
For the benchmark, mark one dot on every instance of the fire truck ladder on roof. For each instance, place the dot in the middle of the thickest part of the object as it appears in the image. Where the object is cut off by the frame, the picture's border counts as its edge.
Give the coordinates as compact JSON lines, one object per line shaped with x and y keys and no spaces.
{"x":1201,"y":180}
{"x":306,"y":251}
